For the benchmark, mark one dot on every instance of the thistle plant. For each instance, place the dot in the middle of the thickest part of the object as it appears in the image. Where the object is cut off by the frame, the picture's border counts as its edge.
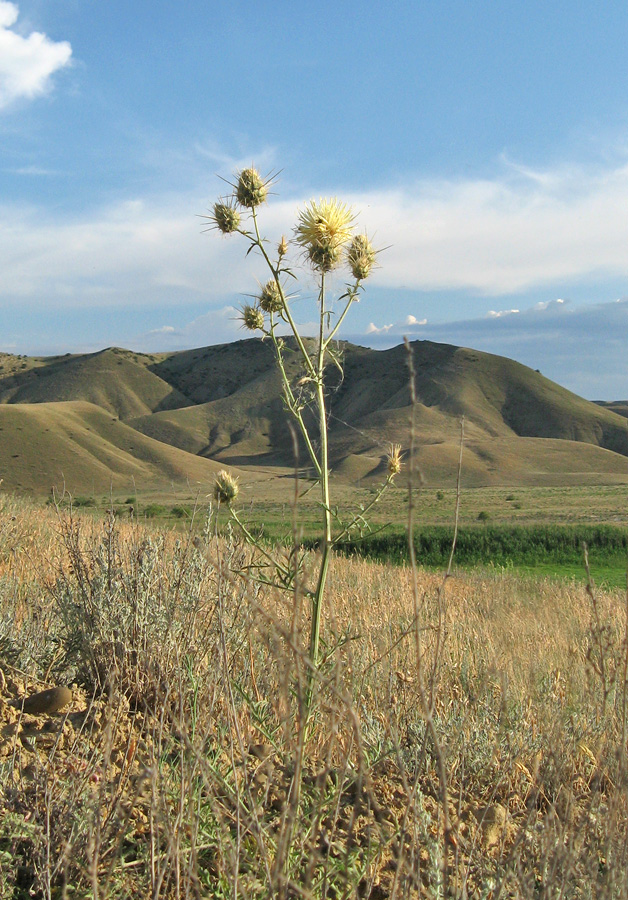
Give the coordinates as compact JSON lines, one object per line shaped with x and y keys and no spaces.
{"x":325,"y":235}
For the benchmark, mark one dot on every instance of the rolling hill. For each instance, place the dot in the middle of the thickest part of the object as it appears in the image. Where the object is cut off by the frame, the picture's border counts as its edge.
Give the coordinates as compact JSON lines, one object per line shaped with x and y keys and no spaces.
{"x":116,"y":380}
{"x":79,"y":445}
{"x":164,"y":417}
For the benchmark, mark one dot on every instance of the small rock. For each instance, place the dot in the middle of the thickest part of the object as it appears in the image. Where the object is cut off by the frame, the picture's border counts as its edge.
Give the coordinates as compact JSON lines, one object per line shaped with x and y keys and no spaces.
{"x":492,"y":821}
{"x":45,"y":702}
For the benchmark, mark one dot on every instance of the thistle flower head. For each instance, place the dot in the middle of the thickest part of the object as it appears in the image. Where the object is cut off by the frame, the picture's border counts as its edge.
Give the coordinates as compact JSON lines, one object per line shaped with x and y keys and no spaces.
{"x":323,"y":230}
{"x":360,"y":257}
{"x":226,"y":217}
{"x":270,"y":298}
{"x":282,"y":249}
{"x":252,"y":318}
{"x":251,"y":190}
{"x":393,"y":460}
{"x":225,"y":487}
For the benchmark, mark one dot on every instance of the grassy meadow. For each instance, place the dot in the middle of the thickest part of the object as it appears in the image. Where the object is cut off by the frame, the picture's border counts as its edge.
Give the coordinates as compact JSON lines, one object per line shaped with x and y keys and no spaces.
{"x":467,"y":736}
{"x":573,"y":514}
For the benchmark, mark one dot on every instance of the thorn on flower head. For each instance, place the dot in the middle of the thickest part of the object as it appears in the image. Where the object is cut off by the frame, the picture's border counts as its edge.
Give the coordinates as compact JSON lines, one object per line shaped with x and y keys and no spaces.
{"x":252,"y":318}
{"x":270,"y":298}
{"x":322,"y":230}
{"x":360,"y":257}
{"x":226,"y":488}
{"x":251,"y":189}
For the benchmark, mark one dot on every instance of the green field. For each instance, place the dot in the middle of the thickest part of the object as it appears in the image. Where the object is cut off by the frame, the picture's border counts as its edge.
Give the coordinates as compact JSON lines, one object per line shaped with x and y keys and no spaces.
{"x":547,"y":550}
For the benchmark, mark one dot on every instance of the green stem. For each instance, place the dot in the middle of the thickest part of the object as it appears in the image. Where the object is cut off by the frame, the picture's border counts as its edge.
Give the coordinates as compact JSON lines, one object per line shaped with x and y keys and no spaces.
{"x":291,"y":401}
{"x":326,"y":546}
{"x":255,"y":543}
{"x":352,"y":295}
{"x":380,"y":492}
{"x":289,"y":319}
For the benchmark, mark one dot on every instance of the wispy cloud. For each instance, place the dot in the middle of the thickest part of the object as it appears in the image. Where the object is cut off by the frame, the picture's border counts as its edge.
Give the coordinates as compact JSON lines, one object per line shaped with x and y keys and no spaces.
{"x":219,"y":326}
{"x":498,"y":313}
{"x":26,"y":63}
{"x":502,"y":236}
{"x":34,"y":171}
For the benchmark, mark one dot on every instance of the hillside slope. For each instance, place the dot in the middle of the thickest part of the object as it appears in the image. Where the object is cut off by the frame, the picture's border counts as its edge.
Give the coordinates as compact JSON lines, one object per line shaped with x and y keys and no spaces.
{"x":224,"y":403}
{"x":80,"y":446}
{"x":242,"y":419}
{"x":117,"y":380}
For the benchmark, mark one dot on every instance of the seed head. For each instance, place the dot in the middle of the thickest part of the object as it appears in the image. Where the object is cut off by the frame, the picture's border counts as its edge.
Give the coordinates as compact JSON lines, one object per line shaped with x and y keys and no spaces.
{"x":360,"y":257}
{"x":225,"y":488}
{"x":226,"y":217}
{"x":251,"y":189}
{"x":394,"y":460}
{"x":323,"y":230}
{"x":270,"y":298}
{"x":282,"y":249}
{"x":252,"y":318}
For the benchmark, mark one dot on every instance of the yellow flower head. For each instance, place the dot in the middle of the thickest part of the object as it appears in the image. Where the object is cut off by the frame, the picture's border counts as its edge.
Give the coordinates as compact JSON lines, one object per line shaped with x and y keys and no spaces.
{"x":323,"y":230}
{"x":394,"y":460}
{"x":360,"y":257}
{"x":252,"y":318}
{"x":225,"y":487}
{"x":270,"y":298}
{"x":251,"y":190}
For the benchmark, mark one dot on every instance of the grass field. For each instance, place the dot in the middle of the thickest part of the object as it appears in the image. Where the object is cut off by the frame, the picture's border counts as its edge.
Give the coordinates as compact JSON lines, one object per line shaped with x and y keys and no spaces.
{"x":481,"y":510}
{"x":268,"y":501}
{"x":467,"y":736}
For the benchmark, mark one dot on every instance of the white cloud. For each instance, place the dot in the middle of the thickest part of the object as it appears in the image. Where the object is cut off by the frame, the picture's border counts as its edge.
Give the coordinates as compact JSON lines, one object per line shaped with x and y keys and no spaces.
{"x":219,"y":326}
{"x":507,"y":235}
{"x":497,"y":314}
{"x":504,"y":235}
{"x":409,"y":322}
{"x":548,"y":304}
{"x":132,"y":253}
{"x":383,"y":329}
{"x":26,"y":63}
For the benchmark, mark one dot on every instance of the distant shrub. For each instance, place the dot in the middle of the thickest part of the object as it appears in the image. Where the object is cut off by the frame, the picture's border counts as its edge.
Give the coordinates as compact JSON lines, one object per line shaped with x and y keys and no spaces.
{"x":483,"y":516}
{"x":181,"y":512}
{"x":83,"y":501}
{"x":440,"y":495}
{"x":153,"y":510}
{"x":131,"y":501}
{"x":501,"y":544}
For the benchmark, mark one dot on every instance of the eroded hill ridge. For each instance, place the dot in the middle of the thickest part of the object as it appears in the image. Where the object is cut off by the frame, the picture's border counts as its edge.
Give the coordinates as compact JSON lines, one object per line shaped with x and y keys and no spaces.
{"x":114,"y":415}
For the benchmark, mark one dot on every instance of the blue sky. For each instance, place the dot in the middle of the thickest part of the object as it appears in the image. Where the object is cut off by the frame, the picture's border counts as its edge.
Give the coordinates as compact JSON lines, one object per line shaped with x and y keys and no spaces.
{"x":485,"y":144}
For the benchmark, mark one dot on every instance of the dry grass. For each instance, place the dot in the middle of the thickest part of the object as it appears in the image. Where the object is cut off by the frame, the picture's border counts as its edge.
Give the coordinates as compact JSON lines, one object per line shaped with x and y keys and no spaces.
{"x":186,"y":767}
